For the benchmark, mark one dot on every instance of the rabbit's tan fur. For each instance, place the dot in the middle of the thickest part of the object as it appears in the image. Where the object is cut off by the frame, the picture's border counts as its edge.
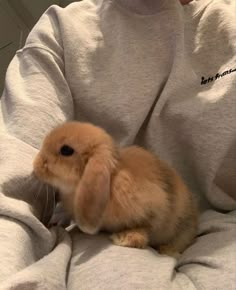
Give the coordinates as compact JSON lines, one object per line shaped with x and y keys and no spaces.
{"x":128,"y":192}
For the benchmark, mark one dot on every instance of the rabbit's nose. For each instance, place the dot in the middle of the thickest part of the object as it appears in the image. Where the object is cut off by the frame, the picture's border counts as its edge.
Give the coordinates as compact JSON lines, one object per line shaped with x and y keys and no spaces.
{"x":39,"y":165}
{"x":45,"y":163}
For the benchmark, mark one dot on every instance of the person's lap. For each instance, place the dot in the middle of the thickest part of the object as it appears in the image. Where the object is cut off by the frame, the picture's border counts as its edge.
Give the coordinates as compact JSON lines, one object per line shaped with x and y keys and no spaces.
{"x":98,"y":264}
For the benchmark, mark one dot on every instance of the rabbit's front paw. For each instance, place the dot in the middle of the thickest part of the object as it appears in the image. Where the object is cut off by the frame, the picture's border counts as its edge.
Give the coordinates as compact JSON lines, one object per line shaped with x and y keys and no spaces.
{"x":136,"y":238}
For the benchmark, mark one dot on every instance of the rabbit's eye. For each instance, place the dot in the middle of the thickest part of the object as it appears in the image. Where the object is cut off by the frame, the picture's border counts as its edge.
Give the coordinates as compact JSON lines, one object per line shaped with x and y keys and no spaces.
{"x":66,"y":150}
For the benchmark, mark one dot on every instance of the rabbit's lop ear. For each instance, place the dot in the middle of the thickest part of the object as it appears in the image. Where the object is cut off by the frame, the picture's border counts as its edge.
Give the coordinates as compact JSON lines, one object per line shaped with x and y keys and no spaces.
{"x":93,"y":191}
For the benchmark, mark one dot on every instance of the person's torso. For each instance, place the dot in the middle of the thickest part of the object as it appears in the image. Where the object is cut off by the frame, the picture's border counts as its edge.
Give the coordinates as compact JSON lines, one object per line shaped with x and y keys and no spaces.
{"x":164,"y":81}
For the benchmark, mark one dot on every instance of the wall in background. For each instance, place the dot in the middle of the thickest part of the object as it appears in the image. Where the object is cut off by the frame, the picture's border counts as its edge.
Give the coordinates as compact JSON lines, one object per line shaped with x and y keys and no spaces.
{"x":36,"y":8}
{"x":17,"y":17}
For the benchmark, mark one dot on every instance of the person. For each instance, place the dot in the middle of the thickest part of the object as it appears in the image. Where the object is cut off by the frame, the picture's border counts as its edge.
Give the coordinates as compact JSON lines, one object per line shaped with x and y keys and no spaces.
{"x":154,"y":73}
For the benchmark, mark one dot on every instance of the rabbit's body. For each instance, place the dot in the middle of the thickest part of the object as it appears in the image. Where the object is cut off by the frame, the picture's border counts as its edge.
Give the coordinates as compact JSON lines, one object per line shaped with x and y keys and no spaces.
{"x":146,"y":194}
{"x":128,"y":192}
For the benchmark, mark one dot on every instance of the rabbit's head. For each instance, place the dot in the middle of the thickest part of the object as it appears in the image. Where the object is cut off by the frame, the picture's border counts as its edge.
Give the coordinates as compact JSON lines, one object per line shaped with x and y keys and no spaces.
{"x":79,"y":158}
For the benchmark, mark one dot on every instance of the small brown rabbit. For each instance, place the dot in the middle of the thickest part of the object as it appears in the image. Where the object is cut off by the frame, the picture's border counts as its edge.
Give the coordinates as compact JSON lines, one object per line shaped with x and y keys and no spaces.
{"x":128,"y":192}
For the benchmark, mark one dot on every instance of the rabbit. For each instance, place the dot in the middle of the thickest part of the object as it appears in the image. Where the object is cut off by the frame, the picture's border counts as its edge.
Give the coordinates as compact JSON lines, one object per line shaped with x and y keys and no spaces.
{"x":127,"y":192}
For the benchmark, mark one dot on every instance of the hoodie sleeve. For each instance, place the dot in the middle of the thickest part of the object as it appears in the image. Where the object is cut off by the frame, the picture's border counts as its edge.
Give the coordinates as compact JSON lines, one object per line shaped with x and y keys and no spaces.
{"x":35,"y":99}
